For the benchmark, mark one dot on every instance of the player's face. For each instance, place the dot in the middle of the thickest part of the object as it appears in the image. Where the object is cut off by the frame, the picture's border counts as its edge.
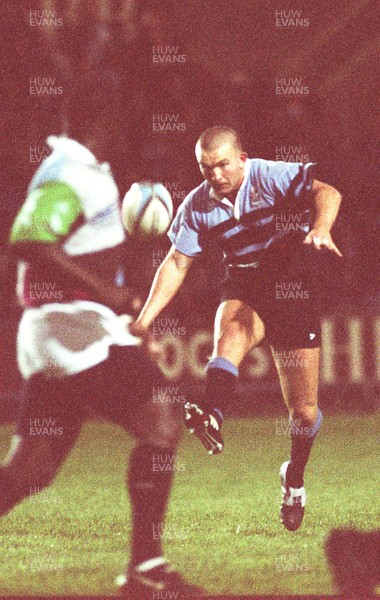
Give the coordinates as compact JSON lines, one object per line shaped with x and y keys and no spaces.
{"x":222,"y":168}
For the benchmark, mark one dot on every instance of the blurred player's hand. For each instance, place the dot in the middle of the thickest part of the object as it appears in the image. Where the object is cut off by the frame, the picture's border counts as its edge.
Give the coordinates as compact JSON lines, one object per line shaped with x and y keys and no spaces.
{"x":320,"y":238}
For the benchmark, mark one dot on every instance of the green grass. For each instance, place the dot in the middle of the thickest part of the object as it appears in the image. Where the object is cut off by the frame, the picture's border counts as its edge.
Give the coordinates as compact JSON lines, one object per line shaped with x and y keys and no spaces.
{"x":223,"y":526}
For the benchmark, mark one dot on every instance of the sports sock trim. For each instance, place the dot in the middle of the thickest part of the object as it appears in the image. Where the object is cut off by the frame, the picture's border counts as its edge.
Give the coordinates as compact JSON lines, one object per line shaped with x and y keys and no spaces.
{"x":222,"y":363}
{"x":307,"y":432}
{"x":315,"y":428}
{"x":151,"y":563}
{"x":218,"y":414}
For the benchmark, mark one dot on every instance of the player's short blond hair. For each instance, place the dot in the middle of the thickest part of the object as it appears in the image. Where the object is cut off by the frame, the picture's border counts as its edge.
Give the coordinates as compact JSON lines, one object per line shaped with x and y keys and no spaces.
{"x":217,"y":136}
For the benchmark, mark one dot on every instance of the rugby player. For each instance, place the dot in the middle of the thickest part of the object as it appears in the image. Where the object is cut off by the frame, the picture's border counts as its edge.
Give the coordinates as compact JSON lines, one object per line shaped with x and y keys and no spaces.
{"x":247,"y":205}
{"x":78,"y":358}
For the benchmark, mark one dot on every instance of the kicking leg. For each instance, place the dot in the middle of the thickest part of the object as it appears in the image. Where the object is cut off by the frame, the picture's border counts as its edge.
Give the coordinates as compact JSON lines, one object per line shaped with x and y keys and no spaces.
{"x":298,"y":372}
{"x":237,"y":329}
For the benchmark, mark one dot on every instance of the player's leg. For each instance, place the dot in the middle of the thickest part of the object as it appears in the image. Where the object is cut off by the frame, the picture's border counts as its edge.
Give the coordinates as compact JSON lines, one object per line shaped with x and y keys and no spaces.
{"x":299,"y":384}
{"x":237,"y":329}
{"x":150,"y":477}
{"x":45,"y":435}
{"x":293,"y":329}
{"x":155,"y":423}
{"x":298,"y":372}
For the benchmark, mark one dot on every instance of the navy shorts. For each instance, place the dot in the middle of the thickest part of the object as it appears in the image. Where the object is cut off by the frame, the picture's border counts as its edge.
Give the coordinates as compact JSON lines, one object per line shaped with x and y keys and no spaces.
{"x":283,"y":290}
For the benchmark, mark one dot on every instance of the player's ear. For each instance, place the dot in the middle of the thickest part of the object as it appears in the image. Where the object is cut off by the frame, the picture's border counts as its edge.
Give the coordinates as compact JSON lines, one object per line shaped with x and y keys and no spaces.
{"x":243,"y":156}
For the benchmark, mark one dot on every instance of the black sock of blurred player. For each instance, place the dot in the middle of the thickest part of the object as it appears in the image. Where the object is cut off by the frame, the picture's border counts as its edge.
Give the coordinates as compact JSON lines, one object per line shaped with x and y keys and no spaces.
{"x":302,"y":439}
{"x":221,"y":379}
{"x":150,"y":477}
{"x":9,"y":496}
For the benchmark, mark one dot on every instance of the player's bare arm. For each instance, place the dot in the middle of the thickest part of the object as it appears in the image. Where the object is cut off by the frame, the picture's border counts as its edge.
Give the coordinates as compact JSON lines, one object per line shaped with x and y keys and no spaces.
{"x":52,"y":255}
{"x":327,"y":201}
{"x":167,"y":281}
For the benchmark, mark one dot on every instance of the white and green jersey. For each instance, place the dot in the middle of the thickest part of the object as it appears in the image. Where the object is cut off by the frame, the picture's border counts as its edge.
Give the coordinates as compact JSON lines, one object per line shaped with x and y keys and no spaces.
{"x":73,"y":201}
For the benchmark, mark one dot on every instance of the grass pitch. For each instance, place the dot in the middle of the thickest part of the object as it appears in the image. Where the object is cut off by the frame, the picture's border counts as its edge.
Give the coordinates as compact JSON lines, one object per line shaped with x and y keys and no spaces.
{"x":223,"y":530}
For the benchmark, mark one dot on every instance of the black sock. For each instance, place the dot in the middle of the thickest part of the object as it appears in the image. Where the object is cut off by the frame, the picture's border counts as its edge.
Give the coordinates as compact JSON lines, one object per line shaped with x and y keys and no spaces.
{"x":10,"y":495}
{"x":150,"y":476}
{"x":220,"y":385}
{"x":302,"y":438}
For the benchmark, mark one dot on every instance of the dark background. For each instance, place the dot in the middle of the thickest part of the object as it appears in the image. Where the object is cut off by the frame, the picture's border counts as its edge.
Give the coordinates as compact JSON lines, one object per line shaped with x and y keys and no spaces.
{"x":101,"y":57}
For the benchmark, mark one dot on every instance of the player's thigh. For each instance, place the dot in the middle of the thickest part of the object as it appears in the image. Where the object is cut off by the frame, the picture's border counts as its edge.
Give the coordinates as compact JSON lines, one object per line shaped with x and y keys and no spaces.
{"x":298,"y":371}
{"x":47,"y":428}
{"x":237,"y":329}
{"x":135,"y":397}
{"x":34,"y":461}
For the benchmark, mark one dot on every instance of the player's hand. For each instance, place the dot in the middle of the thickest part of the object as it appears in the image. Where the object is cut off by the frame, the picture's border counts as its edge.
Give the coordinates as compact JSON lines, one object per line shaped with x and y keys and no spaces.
{"x":138,"y":329}
{"x":319,"y":239}
{"x":149,"y":342}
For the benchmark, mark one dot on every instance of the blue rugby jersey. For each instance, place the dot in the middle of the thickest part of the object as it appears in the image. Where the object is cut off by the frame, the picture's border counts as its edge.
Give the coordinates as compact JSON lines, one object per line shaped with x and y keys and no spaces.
{"x":273,"y":201}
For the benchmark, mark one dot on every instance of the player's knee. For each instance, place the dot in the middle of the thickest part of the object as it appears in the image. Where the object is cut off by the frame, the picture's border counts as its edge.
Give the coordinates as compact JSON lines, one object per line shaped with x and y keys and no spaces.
{"x":160,"y":425}
{"x":16,"y":485}
{"x":234,"y":335}
{"x":166,"y":432}
{"x":167,"y":436}
{"x":31,"y":468}
{"x":235,"y":330}
{"x":306,"y":412}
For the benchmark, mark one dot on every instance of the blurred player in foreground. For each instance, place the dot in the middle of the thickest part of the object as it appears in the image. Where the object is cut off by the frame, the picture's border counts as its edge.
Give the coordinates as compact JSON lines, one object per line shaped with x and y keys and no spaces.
{"x":78,"y":358}
{"x":270,"y":219}
{"x":354,"y":558}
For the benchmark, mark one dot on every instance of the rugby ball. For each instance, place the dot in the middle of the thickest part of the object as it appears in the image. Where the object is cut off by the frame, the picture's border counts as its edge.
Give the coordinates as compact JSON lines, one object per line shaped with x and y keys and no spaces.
{"x":147,"y":209}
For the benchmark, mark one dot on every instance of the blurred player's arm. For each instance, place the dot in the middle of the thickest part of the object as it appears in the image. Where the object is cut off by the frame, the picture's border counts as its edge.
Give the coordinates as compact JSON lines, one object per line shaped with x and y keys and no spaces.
{"x":56,"y":260}
{"x":167,"y":281}
{"x":38,"y":232}
{"x":327,"y":202}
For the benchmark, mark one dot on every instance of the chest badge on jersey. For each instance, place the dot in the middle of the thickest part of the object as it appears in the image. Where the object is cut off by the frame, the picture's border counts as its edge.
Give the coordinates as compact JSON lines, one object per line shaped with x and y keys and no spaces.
{"x":254,"y":198}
